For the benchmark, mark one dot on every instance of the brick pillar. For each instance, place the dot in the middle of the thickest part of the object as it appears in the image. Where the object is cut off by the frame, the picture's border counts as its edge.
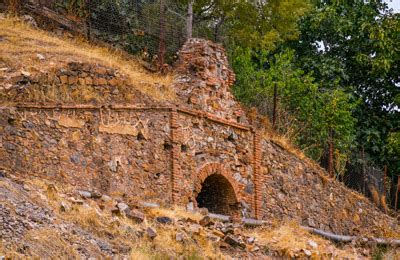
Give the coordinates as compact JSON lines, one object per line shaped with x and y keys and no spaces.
{"x":175,"y":158}
{"x":258,"y":178}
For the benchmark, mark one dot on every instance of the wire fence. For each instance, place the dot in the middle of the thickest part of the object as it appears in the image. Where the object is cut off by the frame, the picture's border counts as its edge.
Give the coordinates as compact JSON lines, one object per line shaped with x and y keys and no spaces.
{"x":373,"y":181}
{"x":155,"y":30}
{"x":152,"y":29}
{"x":140,"y":28}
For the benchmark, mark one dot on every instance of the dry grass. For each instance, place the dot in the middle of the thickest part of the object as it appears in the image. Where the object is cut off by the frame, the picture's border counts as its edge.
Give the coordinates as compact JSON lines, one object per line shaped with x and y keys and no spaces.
{"x":291,"y":241}
{"x":10,"y":252}
{"x":267,"y":131}
{"x":48,"y":243}
{"x":384,"y":205}
{"x":197,"y":246}
{"x":102,"y":224}
{"x":174,"y":213}
{"x":374,"y":195}
{"x":20,"y":45}
{"x":166,"y":246}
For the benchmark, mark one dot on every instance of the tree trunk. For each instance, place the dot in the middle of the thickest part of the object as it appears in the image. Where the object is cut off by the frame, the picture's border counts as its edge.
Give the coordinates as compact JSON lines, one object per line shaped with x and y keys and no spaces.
{"x":88,"y":5}
{"x":397,"y":193}
{"x":275,"y":106}
{"x":161,"y":46}
{"x":330,"y":155}
{"x":189,"y":20}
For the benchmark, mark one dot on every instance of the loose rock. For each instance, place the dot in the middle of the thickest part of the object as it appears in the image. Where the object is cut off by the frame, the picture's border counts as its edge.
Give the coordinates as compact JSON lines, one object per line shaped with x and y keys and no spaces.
{"x":234,"y":242}
{"x":136,"y":216}
{"x":85,"y":194}
{"x":164,"y":220}
{"x":151,"y":233}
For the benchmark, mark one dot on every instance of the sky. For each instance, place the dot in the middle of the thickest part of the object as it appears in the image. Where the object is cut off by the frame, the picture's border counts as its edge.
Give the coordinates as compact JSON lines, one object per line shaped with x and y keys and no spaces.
{"x":395,"y":4}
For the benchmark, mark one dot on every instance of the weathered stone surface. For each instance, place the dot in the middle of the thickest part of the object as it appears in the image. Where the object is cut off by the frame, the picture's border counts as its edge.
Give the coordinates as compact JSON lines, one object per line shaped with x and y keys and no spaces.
{"x":84,"y":194}
{"x":164,"y":220}
{"x":135,"y":216}
{"x":206,"y":221}
{"x":64,"y":206}
{"x":147,"y":152}
{"x":151,"y":233}
{"x":233,"y":241}
{"x":179,"y":237}
{"x":123,"y":207}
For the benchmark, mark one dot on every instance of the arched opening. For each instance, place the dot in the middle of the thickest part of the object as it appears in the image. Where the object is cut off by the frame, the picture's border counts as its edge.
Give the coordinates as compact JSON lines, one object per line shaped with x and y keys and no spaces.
{"x":217,"y":195}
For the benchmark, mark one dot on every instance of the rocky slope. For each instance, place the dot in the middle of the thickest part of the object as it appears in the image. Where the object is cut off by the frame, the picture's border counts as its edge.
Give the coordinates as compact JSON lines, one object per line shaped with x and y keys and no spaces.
{"x":49,"y":220}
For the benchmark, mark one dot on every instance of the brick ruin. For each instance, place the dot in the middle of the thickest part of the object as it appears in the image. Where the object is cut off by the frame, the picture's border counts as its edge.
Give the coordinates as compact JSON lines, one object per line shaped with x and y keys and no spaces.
{"x":200,"y":151}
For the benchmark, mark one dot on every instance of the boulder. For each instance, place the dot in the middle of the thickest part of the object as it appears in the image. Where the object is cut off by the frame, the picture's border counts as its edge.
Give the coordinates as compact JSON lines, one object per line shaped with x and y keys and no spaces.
{"x":179,"y":237}
{"x":206,"y":221}
{"x":85,"y":194}
{"x":135,"y":215}
{"x":151,"y":233}
{"x":123,"y":207}
{"x":164,"y":220}
{"x":234,"y":242}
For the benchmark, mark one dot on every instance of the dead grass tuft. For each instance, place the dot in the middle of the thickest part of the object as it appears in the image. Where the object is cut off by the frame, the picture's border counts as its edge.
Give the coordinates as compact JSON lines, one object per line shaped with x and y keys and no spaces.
{"x":374,"y":195}
{"x":384,"y":205}
{"x":9,"y":252}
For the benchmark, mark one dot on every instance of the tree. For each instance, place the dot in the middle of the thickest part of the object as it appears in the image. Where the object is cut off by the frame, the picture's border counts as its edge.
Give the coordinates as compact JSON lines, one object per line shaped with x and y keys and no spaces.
{"x":354,"y":45}
{"x":309,"y":113}
{"x":255,"y":24}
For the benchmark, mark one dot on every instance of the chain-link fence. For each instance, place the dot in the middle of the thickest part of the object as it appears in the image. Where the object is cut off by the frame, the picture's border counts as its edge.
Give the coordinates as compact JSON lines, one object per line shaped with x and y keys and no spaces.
{"x":155,"y":30}
{"x":150,"y":29}
{"x":374,"y":182}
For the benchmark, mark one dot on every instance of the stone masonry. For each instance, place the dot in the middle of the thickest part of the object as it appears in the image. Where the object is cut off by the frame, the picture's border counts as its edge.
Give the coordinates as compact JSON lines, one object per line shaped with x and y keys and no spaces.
{"x":198,"y":152}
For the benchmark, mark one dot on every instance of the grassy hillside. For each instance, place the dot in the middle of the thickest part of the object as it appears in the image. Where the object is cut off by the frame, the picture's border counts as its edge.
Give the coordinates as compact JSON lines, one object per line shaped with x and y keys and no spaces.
{"x":24,"y":49}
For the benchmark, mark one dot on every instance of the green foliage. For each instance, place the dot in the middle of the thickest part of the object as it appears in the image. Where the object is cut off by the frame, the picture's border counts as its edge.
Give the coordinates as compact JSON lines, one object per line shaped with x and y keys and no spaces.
{"x":394,"y":149}
{"x":254,"y":24}
{"x":354,"y":46}
{"x":307,"y":111}
{"x":394,"y":143}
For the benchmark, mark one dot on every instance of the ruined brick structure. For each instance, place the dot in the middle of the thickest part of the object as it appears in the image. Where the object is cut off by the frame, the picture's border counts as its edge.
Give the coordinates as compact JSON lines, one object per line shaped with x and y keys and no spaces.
{"x":200,"y":151}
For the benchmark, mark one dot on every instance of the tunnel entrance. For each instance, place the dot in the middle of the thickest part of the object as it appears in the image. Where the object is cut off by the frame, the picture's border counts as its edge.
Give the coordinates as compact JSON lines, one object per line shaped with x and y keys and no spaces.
{"x":217,"y":195}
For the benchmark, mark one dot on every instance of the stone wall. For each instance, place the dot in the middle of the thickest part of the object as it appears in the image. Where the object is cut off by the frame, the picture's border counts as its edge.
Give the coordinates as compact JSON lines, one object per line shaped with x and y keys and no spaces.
{"x":169,"y":153}
{"x":205,"y":142}
{"x":205,"y":80}
{"x":72,"y":83}
{"x":124,"y":151}
{"x":292,"y":189}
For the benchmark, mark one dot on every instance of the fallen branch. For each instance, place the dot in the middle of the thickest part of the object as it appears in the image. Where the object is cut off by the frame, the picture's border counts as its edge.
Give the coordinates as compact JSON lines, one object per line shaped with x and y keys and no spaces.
{"x":348,"y":239}
{"x":327,"y":235}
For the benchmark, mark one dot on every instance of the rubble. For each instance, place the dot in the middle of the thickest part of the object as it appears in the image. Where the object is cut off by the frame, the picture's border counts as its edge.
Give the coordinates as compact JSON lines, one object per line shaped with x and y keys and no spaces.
{"x":233,"y":239}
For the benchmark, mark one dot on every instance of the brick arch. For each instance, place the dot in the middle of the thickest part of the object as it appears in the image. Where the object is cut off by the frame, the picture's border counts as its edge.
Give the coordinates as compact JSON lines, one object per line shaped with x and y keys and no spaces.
{"x":219,"y":169}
